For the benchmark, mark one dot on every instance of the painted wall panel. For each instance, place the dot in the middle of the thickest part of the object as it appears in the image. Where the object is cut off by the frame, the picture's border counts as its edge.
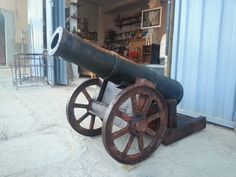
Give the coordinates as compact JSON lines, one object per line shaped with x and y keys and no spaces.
{"x":204,"y":58}
{"x":49,"y":22}
{"x":35,"y":32}
{"x":60,"y":66}
{"x":9,"y":35}
{"x":35,"y":22}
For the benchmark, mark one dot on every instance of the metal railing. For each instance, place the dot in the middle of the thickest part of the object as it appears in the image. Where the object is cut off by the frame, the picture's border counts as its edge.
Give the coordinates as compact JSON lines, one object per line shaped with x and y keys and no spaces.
{"x":30,"y":69}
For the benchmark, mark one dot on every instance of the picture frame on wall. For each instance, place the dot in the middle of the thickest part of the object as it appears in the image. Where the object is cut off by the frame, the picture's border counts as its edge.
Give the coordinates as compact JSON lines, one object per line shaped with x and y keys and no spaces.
{"x":151,"y":18}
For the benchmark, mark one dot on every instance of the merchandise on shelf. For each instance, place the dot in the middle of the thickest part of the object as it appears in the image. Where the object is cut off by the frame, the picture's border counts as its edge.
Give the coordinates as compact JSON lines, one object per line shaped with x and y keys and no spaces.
{"x":127,"y":28}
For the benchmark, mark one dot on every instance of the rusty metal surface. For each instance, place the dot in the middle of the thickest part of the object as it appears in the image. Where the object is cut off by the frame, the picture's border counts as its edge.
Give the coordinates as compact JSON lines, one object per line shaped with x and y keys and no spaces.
{"x":75,"y":107}
{"x":145,"y":125}
{"x":109,"y":65}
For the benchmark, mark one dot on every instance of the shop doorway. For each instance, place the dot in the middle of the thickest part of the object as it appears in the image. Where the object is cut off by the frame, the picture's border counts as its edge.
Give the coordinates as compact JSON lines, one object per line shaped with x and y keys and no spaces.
{"x":2,"y":40}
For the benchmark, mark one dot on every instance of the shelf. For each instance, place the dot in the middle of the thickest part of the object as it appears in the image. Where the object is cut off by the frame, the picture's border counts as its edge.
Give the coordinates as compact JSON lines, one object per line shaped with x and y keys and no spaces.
{"x":127,"y":24}
{"x":128,"y":39}
{"x":75,"y":4}
{"x":127,"y":18}
{"x":151,"y":53}
{"x":123,"y":36}
{"x":131,"y":30}
{"x":75,"y":17}
{"x":126,"y":21}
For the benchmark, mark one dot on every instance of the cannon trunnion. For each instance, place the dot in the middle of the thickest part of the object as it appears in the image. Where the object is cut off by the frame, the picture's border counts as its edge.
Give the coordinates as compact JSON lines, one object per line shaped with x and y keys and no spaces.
{"x":131,"y":106}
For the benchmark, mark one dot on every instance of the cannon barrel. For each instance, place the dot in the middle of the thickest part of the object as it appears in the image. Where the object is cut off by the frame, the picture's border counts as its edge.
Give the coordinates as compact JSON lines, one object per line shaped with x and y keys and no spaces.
{"x":109,"y":65}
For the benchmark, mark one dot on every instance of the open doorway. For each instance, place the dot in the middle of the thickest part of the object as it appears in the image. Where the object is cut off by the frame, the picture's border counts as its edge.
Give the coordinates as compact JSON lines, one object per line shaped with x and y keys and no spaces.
{"x":2,"y":40}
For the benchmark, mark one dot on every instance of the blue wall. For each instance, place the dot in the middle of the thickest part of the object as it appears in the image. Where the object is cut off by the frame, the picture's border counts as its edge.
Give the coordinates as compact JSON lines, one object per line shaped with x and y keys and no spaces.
{"x":204,"y":58}
{"x":60,"y":66}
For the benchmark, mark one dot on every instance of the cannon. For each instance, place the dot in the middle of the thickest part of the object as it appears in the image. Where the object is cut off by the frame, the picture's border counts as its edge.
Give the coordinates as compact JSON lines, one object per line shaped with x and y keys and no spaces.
{"x":131,"y":105}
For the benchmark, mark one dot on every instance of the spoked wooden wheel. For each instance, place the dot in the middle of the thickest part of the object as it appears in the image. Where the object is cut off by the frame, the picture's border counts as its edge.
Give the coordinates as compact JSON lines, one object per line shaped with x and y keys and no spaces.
{"x":78,"y":107}
{"x":134,"y":124}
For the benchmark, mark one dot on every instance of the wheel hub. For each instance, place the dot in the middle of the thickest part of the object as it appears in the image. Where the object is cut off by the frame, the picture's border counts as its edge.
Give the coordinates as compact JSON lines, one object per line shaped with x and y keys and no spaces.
{"x":138,"y":125}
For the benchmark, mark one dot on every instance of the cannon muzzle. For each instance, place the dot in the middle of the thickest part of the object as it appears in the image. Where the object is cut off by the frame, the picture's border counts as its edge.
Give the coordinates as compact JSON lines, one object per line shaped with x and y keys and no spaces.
{"x":109,"y":65}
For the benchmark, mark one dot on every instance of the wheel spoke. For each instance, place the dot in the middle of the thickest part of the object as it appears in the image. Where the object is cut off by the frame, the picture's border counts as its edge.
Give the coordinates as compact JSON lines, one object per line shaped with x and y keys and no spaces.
{"x":82,"y":118}
{"x":77,"y":105}
{"x":123,"y":116}
{"x":134,"y":104}
{"x":128,"y":145}
{"x":153,"y":117}
{"x":86,"y":94}
{"x":147,"y":104}
{"x":151,"y":133}
{"x":140,"y":142}
{"x":92,"y":121}
{"x":120,"y":132}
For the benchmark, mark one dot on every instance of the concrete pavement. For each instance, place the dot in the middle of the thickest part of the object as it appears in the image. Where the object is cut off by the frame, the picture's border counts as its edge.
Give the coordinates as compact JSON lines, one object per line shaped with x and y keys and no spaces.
{"x":37,"y":141}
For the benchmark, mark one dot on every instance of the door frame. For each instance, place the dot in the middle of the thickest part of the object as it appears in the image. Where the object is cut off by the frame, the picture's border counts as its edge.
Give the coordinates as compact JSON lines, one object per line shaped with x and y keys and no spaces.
{"x":4,"y":38}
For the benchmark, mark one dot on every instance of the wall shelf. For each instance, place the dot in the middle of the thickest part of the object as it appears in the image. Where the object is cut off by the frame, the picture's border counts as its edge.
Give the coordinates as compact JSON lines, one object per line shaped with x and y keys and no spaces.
{"x":130,"y":20}
{"x":151,"y":54}
{"x":75,"y":4}
{"x":75,"y":17}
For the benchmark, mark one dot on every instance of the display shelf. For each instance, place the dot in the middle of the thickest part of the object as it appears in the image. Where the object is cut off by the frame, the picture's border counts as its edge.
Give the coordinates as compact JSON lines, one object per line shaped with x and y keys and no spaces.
{"x":75,"y":17}
{"x":127,"y":21}
{"x":118,"y":19}
{"x":128,"y":28}
{"x":151,"y":54}
{"x":147,"y":52}
{"x":75,"y":4}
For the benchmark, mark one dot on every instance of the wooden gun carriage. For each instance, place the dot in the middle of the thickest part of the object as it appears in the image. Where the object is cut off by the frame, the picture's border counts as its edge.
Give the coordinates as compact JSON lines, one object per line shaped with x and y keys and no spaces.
{"x":132,"y":106}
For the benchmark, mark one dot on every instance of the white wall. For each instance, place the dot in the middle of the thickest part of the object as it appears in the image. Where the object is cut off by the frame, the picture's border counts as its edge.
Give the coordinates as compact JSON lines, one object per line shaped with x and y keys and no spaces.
{"x":15,"y":14}
{"x":9,"y":35}
{"x":73,"y":11}
{"x":35,"y":20}
{"x":90,"y":11}
{"x":19,"y":9}
{"x":105,"y":22}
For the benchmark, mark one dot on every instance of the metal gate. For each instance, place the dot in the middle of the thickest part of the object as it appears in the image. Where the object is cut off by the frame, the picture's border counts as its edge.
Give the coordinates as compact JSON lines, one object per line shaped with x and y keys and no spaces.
{"x":204,"y":58}
{"x":30,"y":69}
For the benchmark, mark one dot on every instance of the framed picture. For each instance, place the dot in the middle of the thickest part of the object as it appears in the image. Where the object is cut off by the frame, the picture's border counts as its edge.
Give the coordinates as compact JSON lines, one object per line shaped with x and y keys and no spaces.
{"x":151,"y":18}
